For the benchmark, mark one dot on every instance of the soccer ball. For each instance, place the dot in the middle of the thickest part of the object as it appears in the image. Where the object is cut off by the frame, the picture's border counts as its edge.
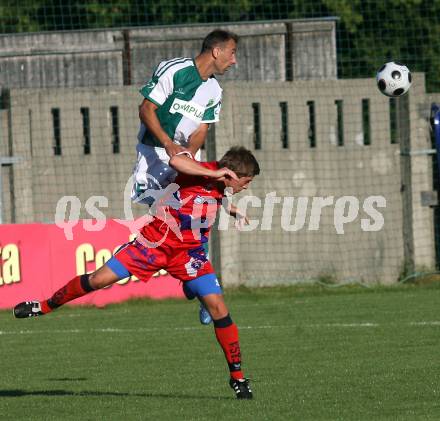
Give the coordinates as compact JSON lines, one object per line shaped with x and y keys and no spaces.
{"x":393,"y":79}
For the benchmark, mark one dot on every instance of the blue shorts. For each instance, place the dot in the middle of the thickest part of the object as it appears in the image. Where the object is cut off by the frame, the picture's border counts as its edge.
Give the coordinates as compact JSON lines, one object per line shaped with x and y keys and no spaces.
{"x":201,"y":286}
{"x":118,"y":268}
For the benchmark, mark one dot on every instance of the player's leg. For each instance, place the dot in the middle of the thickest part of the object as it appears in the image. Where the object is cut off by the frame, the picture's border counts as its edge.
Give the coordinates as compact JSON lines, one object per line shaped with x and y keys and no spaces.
{"x":75,"y":288}
{"x":208,"y":290}
{"x":204,"y":316}
{"x":130,"y":259}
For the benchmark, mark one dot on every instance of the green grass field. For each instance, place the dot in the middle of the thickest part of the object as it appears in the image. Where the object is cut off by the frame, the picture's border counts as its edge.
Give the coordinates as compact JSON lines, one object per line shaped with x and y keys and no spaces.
{"x":312,"y":354}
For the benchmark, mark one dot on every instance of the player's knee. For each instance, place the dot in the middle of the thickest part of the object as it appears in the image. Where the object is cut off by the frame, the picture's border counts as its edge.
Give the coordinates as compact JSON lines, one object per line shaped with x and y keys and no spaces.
{"x":94,"y":281}
{"x":98,"y":280}
{"x":103,"y":277}
{"x":218,"y":310}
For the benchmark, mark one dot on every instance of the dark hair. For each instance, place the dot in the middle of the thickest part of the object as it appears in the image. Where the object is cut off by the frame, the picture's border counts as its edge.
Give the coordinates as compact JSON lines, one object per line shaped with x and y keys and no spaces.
{"x":216,"y":37}
{"x":241,"y":161}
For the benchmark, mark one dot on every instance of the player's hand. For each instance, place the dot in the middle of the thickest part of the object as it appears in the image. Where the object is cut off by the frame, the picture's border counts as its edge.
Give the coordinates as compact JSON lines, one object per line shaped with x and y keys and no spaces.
{"x":240,"y":220}
{"x":223,"y":173}
{"x":172,"y":149}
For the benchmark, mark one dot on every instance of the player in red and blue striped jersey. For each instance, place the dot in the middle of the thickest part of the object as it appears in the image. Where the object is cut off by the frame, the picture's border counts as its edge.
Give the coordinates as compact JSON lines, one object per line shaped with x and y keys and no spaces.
{"x":173,"y":239}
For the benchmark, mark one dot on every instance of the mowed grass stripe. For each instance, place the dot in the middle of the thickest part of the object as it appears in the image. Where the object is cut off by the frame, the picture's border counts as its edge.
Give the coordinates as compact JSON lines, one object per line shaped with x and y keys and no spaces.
{"x":184,"y":329}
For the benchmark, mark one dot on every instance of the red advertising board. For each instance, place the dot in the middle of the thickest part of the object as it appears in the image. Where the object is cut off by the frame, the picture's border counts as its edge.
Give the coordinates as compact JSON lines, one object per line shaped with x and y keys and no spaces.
{"x":37,"y":259}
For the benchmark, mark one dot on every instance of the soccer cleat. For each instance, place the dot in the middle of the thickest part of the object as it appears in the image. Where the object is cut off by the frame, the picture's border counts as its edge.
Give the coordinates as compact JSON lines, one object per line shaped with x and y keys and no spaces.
{"x":204,"y":316}
{"x":241,"y":388}
{"x":28,"y":309}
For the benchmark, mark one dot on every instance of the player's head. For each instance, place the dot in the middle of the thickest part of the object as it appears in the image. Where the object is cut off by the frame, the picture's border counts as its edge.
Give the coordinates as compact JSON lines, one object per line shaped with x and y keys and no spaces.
{"x":243,"y":163}
{"x":221,"y":46}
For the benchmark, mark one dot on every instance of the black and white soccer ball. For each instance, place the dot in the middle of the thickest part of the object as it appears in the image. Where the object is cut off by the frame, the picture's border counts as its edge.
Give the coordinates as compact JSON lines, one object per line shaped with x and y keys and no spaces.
{"x":393,"y":79}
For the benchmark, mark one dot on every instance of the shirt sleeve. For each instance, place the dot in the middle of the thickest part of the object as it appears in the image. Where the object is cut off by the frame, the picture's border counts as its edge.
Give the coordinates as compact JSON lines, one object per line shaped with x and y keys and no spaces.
{"x":212,"y":113}
{"x":187,"y":153}
{"x":158,"y":89}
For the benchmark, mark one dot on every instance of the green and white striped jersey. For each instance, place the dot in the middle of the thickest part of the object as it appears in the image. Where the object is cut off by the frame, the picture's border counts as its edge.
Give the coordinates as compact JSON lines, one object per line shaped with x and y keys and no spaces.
{"x":184,"y":99}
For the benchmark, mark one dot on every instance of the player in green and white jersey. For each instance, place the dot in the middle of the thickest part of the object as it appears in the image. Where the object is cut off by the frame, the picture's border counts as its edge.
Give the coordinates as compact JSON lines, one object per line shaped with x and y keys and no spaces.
{"x":180,"y":101}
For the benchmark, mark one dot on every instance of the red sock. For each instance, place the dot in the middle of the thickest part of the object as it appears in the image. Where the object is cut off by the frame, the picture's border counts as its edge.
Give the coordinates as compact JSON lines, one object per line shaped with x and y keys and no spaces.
{"x":75,"y":288}
{"x":226,"y":332}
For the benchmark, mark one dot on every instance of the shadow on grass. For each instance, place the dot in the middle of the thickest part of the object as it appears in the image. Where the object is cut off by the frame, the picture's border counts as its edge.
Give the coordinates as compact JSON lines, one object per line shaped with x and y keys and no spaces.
{"x":18,"y":393}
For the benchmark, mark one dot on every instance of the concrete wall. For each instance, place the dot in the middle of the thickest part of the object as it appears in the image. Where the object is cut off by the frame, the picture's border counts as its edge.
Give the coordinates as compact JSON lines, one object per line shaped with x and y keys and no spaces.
{"x":60,"y":59}
{"x":263,"y":256}
{"x":6,"y":186}
{"x":313,"y":50}
{"x":124,"y":57}
{"x":44,"y":177}
{"x":354,"y":169}
{"x":261,"y":53}
{"x":421,"y":171}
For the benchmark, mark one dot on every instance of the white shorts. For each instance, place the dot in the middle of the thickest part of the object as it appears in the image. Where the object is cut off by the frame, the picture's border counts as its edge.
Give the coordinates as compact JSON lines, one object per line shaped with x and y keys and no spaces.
{"x":151,"y":173}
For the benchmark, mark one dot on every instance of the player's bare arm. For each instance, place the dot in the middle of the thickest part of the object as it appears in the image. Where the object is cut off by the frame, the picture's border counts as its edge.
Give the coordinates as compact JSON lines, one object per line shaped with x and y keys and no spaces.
{"x":186,"y":165}
{"x":198,"y":138}
{"x":147,"y":114}
{"x":241,"y":218}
